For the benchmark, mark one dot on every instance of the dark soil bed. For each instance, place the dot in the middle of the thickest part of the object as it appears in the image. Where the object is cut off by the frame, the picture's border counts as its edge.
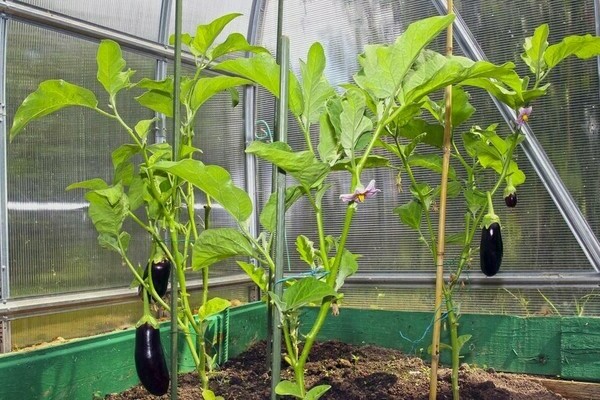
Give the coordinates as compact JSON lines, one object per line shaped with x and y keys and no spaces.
{"x":354,"y":373}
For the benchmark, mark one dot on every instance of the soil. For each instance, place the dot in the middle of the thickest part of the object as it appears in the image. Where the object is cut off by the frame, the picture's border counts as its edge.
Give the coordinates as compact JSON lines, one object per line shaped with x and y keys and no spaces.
{"x":354,"y":373}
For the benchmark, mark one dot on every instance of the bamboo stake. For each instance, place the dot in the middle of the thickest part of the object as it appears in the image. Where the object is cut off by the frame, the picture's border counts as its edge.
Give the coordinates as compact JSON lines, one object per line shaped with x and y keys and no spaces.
{"x":439,"y":275}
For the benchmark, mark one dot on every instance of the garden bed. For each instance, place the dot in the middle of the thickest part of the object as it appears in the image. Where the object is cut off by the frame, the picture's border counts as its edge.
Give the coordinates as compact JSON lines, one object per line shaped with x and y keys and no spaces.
{"x":354,"y":373}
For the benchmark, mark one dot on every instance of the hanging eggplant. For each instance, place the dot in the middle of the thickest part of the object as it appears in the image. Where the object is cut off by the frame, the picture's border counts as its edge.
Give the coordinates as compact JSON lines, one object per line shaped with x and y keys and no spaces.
{"x":161,"y":271}
{"x":491,"y":248}
{"x":150,"y":362}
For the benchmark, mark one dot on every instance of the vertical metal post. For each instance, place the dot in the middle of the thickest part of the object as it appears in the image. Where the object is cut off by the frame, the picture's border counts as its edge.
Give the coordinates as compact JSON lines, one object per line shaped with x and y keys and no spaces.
{"x":4,"y":267}
{"x":535,"y":154}
{"x":160,"y":126}
{"x":281,"y":135}
{"x":176,"y":145}
{"x":249,"y":114}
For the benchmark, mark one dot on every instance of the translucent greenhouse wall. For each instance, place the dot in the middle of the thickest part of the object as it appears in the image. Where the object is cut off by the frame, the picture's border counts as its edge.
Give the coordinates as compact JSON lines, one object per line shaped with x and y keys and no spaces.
{"x":48,"y":246}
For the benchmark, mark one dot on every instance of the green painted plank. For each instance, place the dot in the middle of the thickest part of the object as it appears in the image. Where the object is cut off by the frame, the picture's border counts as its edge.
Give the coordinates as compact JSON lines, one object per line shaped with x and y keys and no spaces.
{"x":505,"y":343}
{"x":102,"y":364}
{"x":580,"y":348}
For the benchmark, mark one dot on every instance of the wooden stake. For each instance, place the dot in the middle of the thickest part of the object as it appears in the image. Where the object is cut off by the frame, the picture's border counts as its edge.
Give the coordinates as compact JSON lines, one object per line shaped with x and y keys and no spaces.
{"x":439,"y":275}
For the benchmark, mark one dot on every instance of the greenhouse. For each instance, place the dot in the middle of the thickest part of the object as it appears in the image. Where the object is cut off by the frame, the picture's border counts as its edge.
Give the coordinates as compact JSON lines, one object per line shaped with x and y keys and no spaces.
{"x":301,"y":199}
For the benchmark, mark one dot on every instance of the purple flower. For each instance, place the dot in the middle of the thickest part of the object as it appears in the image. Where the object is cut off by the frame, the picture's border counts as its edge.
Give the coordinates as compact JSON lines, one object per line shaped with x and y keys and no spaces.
{"x":360,"y":195}
{"x":523,"y":117}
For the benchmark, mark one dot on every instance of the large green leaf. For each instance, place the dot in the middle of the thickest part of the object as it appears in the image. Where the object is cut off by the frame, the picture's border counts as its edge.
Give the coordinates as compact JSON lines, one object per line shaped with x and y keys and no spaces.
{"x":158,"y":101}
{"x":315,"y":88}
{"x":234,"y":42}
{"x":50,"y":96}
{"x":214,"y":245}
{"x":432,"y":162}
{"x":90,"y":184}
{"x":268,"y":213}
{"x":205,"y":88}
{"x":213,"y":180}
{"x":582,"y":47}
{"x":535,"y":47}
{"x":207,"y":34}
{"x":212,"y":307}
{"x":302,"y":166}
{"x":383,"y":67}
{"x":329,"y":141}
{"x":353,"y":120}
{"x":123,"y":153}
{"x":348,"y":267}
{"x":410,"y":214}
{"x":108,"y":209}
{"x":434,"y":133}
{"x":304,"y":291}
{"x":110,"y":67}
{"x":256,"y":274}
{"x":263,"y":70}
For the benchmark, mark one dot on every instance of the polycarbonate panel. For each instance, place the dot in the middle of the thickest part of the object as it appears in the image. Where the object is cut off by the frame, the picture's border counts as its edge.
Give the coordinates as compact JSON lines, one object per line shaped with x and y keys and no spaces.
{"x":55,"y":328}
{"x":535,"y":234}
{"x":201,"y":12}
{"x":567,"y":122}
{"x":136,"y":17}
{"x":52,"y":242}
{"x":564,"y":302}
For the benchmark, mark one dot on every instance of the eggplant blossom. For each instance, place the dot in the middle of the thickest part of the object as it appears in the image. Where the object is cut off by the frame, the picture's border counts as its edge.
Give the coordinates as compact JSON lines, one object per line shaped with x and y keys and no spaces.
{"x":360,"y":195}
{"x":523,"y":117}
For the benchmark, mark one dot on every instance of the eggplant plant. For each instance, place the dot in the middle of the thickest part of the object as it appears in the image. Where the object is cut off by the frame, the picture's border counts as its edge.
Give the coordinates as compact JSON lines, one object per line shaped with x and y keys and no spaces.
{"x":484,"y":161}
{"x":158,"y":191}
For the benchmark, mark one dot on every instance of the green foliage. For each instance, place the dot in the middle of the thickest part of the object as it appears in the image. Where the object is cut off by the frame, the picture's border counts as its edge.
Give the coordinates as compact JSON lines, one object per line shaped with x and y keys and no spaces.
{"x":353,"y":122}
{"x":315,"y":88}
{"x":215,"y":181}
{"x":51,"y":96}
{"x":268,"y":213}
{"x":213,"y":307}
{"x":303,"y":292}
{"x":258,"y":275}
{"x":302,"y":166}
{"x":410,"y":214}
{"x":217,"y":244}
{"x":110,"y":68}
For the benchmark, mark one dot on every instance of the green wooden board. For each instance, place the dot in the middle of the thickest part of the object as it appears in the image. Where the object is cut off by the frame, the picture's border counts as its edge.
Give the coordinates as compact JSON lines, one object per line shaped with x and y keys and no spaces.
{"x":580,"y":348}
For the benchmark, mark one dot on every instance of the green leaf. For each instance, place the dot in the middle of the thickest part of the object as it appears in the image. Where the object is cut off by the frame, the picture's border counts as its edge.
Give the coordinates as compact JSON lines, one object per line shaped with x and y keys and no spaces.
{"x":434,"y":133}
{"x":208,"y":394}
{"x":108,"y":209}
{"x":432,"y":162}
{"x":329,"y":141}
{"x":90,"y":184}
{"x":143,"y":127}
{"x":158,"y":101}
{"x":302,"y":166}
{"x":287,"y":388}
{"x":50,"y":96}
{"x":205,"y":88}
{"x":306,"y":249}
{"x":373,"y":161}
{"x":267,"y":215}
{"x":582,"y":47}
{"x":207,"y":34}
{"x":212,"y":307}
{"x":535,"y":47}
{"x":475,"y":200}
{"x":348,"y":267}
{"x":383,"y":67}
{"x":304,"y":291}
{"x":214,"y":245}
{"x":136,"y":191}
{"x":316,"y":392}
{"x":256,"y":274}
{"x":315,"y":88}
{"x":353,"y":120}
{"x":235,"y":42}
{"x":410,"y":214}
{"x":110,"y":67}
{"x":123,"y":153}
{"x":124,"y":173}
{"x":262,"y":69}
{"x":213,"y":180}
{"x":462,"y":110}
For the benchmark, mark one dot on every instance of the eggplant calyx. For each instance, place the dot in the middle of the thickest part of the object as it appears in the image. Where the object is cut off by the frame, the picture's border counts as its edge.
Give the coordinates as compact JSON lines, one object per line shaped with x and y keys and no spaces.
{"x":489,"y":219}
{"x":147,"y":319}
